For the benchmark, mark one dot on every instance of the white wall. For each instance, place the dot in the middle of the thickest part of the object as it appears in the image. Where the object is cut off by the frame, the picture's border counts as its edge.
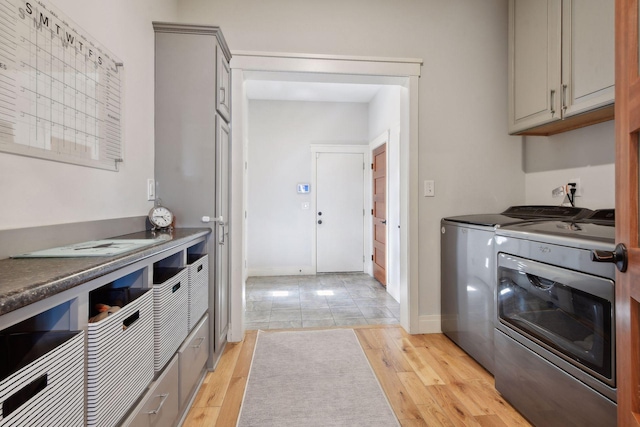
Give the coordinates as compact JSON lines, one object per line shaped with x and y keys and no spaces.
{"x":586,"y":153}
{"x":384,"y":117}
{"x":279,"y":231}
{"x":37,"y":192}
{"x":463,"y":144}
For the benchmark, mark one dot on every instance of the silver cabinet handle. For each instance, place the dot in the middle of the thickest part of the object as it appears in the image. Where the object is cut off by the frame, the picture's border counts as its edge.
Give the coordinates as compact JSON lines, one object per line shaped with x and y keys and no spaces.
{"x":163,"y":398}
{"x":199,"y":344}
{"x":552,"y":97}
{"x":221,"y":236}
{"x":207,"y":219}
{"x":564,"y":97}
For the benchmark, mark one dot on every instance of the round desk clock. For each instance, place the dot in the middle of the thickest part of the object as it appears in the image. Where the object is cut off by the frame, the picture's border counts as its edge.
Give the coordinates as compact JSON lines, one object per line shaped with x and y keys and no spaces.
{"x":161,"y":218}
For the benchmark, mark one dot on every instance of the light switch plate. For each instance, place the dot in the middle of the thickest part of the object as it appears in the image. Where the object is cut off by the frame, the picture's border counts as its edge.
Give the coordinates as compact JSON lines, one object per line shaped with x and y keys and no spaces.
{"x":429,"y":188}
{"x":151,"y":189}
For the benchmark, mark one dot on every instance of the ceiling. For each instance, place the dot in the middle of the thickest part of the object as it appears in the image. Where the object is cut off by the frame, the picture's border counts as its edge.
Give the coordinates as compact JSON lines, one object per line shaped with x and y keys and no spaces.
{"x":316,"y":87}
{"x":306,"y":91}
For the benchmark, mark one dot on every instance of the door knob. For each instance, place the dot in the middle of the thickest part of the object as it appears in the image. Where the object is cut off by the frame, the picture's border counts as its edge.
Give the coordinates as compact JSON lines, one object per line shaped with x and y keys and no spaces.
{"x":618,"y":257}
{"x":384,"y":221}
{"x":320,"y":213}
{"x":319,"y":221}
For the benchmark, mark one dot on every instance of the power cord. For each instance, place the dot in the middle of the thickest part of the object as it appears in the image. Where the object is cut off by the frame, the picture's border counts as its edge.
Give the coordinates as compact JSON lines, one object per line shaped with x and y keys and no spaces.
{"x":571,"y":194}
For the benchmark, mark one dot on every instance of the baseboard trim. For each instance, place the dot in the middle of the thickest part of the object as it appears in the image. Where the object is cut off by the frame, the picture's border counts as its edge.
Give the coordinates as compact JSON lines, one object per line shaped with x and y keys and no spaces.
{"x":429,"y":324}
{"x":288,"y":271}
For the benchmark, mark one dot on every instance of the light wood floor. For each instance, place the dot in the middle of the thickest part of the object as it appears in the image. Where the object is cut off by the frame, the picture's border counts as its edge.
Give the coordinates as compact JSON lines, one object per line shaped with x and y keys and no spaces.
{"x":428,"y":380}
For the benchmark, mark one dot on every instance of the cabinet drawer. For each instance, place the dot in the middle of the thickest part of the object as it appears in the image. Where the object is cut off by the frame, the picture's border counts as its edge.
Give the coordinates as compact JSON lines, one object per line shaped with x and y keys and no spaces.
{"x":193,"y":356}
{"x":159,"y":407}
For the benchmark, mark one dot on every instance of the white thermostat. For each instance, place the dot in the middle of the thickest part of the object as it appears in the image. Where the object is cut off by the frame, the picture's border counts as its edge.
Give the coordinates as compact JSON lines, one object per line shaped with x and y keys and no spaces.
{"x":304,"y":188}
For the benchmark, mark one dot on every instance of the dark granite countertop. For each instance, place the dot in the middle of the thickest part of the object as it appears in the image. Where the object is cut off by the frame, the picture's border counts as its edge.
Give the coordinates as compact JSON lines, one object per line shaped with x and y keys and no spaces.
{"x":24,"y":281}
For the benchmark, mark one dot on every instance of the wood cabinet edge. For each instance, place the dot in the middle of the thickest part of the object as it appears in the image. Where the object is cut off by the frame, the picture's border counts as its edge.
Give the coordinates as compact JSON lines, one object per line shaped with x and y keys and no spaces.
{"x":578,"y":121}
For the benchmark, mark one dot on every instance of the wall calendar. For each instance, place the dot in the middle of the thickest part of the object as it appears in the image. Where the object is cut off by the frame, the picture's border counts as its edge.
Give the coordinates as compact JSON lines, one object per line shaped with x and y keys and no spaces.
{"x":60,"y":90}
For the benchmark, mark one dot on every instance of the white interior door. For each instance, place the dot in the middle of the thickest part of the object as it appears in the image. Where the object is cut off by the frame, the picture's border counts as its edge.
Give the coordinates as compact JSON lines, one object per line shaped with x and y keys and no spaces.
{"x":339,"y":212}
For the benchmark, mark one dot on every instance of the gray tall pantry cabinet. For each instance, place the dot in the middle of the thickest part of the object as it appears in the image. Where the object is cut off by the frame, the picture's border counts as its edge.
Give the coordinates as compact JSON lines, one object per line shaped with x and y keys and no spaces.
{"x":192,"y":116}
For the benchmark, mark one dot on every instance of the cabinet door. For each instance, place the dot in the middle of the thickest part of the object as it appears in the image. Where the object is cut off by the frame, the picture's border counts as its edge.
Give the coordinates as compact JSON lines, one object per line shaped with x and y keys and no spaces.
{"x":222,"y":284}
{"x":223,"y":86}
{"x":185,"y":124}
{"x":588,"y":60}
{"x":534,"y":63}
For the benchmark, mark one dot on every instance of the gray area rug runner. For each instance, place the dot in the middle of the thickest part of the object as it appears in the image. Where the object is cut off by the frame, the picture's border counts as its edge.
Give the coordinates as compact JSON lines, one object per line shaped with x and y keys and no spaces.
{"x":313,"y":378}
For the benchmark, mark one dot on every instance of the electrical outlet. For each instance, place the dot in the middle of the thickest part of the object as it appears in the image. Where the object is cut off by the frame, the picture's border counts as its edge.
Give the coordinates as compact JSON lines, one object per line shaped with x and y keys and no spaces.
{"x":557,"y":192}
{"x":429,"y":188}
{"x":578,"y":186}
{"x":151,"y":189}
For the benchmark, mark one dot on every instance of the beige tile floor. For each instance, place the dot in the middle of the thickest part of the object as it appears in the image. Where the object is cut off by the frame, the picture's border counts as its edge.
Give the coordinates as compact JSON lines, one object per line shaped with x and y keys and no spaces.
{"x":324,"y":300}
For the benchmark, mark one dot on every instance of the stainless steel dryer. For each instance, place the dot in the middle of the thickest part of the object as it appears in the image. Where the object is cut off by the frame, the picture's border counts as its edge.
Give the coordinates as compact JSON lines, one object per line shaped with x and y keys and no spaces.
{"x":468,"y":274}
{"x":555,"y":335}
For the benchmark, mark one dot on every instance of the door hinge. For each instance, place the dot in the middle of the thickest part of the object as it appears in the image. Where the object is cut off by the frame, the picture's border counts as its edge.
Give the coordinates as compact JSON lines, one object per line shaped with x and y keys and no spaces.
{"x":371,"y":166}
{"x":371,"y":211}
{"x":371,"y":257}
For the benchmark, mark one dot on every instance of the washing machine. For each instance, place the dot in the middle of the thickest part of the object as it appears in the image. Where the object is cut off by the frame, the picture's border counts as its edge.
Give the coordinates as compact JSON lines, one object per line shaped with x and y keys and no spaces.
{"x":468,"y":273}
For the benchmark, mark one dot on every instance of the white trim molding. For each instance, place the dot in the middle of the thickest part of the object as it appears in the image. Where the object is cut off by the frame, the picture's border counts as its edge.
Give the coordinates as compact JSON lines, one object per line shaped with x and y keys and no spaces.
{"x":430,"y":324}
{"x":332,"y":64}
{"x":404,"y":72}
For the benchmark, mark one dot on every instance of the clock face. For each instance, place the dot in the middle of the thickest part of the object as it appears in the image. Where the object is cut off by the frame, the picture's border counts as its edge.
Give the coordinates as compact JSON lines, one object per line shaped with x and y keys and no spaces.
{"x":160,"y":217}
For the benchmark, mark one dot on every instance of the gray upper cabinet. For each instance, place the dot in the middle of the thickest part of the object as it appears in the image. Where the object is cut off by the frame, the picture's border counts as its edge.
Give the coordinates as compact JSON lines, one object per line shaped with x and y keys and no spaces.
{"x":534,"y":63}
{"x":223,"y":102}
{"x":561,"y":64}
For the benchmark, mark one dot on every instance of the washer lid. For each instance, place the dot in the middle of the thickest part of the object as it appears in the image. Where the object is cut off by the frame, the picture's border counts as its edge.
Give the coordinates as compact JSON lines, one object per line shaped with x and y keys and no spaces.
{"x":571,"y":231}
{"x":545,"y":211}
{"x":488,"y":220}
{"x":518,"y":214}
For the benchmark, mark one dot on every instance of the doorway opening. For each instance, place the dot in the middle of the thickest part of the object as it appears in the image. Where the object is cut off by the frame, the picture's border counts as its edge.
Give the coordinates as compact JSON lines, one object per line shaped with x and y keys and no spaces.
{"x":298,"y":73}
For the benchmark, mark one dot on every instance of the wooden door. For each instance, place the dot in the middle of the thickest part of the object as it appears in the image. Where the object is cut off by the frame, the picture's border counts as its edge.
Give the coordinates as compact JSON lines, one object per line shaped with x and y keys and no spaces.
{"x":379,"y":211}
{"x":627,"y":116}
{"x":340,"y":212}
